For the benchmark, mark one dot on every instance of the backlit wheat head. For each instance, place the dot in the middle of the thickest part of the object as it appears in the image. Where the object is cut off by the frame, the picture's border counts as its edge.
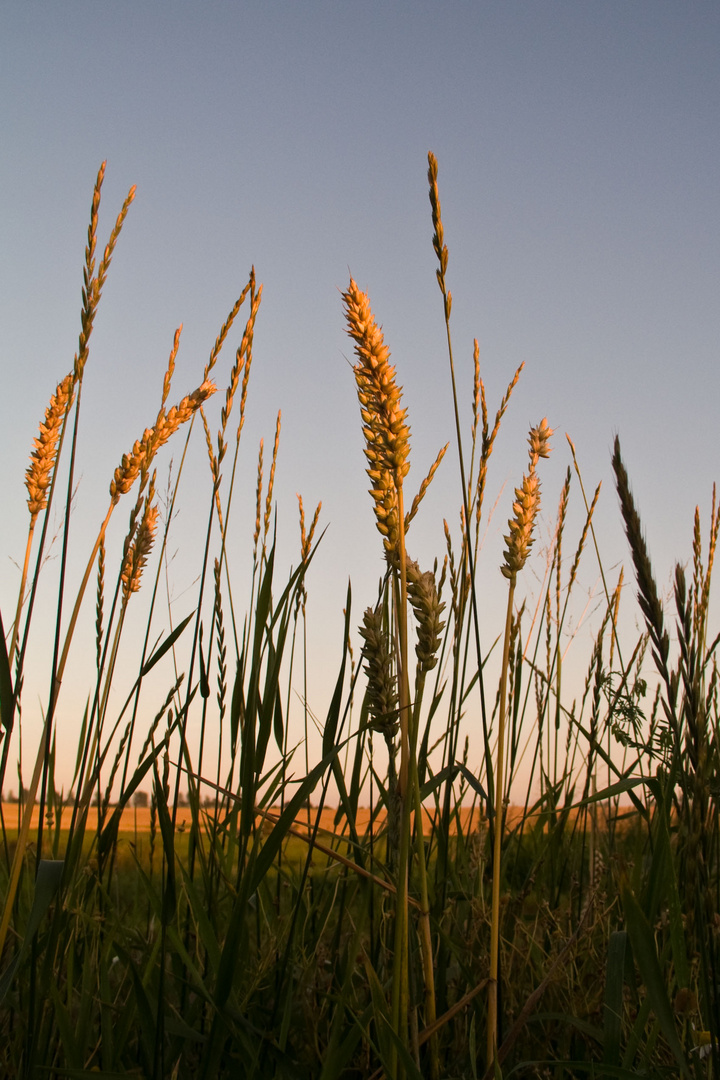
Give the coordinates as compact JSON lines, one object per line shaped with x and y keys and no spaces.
{"x":381,"y":683}
{"x":140,"y":458}
{"x":425,"y":602}
{"x":42,"y":459}
{"x":527,"y":503}
{"x":387,"y":435}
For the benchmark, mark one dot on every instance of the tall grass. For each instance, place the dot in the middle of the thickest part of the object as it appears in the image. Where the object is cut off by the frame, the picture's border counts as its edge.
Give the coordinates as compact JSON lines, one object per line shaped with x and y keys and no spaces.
{"x":419,"y":925}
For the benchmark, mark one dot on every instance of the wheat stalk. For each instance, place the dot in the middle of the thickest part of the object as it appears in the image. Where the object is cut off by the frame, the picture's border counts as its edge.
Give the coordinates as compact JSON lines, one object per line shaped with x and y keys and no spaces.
{"x":519,"y":540}
{"x":387,"y":446}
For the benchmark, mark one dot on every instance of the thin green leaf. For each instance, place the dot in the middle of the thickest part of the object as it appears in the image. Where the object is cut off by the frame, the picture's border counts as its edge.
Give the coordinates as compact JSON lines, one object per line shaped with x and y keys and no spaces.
{"x":614,"y":979}
{"x":167,"y":644}
{"x":7,"y":697}
{"x":333,"y":715}
{"x":204,"y":684}
{"x":643,"y":947}
{"x":46,"y":885}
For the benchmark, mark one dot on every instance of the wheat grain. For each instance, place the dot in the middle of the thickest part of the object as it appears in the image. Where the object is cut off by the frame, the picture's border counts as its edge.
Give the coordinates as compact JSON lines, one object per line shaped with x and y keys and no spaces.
{"x":141,"y":546}
{"x":271,"y":481}
{"x":306,"y":540}
{"x":139,"y":459}
{"x":99,"y":601}
{"x":114,"y":236}
{"x":488,"y":441}
{"x":583,"y":537}
{"x":258,"y":500}
{"x":92,"y":285}
{"x":171,"y":365}
{"x":243,"y":359}
{"x":246,"y":346}
{"x":423,"y":596}
{"x":381,"y":684}
{"x":438,"y":233}
{"x":89,"y":290}
{"x":712,"y":544}
{"x":45,"y":447}
{"x":424,"y":486}
{"x":647,"y":589}
{"x":220,"y":339}
{"x":214,"y":465}
{"x":221,"y":647}
{"x":526,"y":505}
{"x":387,"y":435}
{"x":478,"y":397}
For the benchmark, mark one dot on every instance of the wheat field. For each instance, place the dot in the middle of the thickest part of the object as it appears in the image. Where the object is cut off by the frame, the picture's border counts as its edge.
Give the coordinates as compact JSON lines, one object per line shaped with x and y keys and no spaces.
{"x":382,"y":907}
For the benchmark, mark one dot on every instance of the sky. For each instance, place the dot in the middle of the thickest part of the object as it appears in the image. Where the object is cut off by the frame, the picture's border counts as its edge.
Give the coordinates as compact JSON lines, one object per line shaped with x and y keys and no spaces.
{"x":579,"y":155}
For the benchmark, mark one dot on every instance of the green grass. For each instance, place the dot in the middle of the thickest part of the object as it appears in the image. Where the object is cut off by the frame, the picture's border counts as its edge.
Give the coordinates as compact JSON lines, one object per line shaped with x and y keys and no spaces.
{"x":235,"y":948}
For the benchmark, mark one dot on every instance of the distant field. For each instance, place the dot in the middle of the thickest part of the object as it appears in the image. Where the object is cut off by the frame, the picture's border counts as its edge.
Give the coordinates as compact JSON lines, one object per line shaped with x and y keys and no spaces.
{"x":139,"y":818}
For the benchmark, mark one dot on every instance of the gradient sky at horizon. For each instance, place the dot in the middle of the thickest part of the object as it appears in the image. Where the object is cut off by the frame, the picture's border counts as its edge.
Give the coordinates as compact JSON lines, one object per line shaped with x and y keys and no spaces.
{"x":579,"y":157}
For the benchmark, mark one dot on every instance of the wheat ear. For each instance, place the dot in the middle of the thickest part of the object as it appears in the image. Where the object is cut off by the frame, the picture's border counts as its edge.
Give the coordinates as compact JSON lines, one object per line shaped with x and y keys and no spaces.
{"x":519,"y":541}
{"x":647,"y":589}
{"x":38,"y":478}
{"x":387,"y":435}
{"x":258,"y":501}
{"x":271,"y":482}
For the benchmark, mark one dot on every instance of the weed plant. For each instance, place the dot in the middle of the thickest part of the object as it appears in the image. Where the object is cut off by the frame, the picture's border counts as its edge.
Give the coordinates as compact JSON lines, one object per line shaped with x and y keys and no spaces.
{"x":438,"y":932}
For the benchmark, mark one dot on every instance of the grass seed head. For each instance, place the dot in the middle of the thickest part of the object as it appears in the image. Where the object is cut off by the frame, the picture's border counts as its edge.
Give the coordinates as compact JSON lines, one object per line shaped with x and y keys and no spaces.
{"x":423,"y":596}
{"x":258,"y":498}
{"x":387,"y":434}
{"x":381,"y":684}
{"x":139,"y":551}
{"x":539,"y":441}
{"x":144,"y":449}
{"x":527,"y":503}
{"x":44,"y":454}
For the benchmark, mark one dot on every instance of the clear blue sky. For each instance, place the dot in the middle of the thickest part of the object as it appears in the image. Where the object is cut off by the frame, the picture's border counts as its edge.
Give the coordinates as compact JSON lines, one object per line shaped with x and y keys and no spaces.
{"x":579,"y":162}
